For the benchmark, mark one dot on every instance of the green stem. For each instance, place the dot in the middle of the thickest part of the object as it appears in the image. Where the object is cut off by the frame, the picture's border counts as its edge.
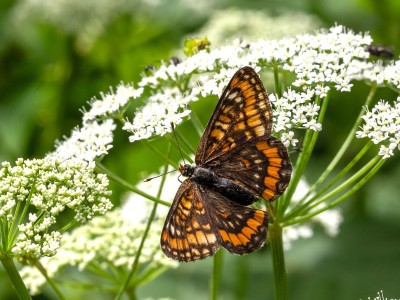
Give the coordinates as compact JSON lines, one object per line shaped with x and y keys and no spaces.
{"x":377,"y":161}
{"x":149,"y":274}
{"x":309,"y":142}
{"x":197,"y":124}
{"x":15,"y":277}
{"x":278,"y":89}
{"x":188,"y":146}
{"x":216,"y":278}
{"x":144,"y":237}
{"x":344,"y":147}
{"x":177,"y":144}
{"x":4,"y":238}
{"x":101,"y":168}
{"x":43,"y":271}
{"x":161,"y":154}
{"x":355,"y":178}
{"x":278,"y":262}
{"x":303,"y":205}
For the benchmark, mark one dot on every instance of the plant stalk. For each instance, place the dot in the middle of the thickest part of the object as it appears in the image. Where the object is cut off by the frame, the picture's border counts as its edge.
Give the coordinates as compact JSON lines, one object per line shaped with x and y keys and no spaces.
{"x":15,"y":278}
{"x":278,"y":262}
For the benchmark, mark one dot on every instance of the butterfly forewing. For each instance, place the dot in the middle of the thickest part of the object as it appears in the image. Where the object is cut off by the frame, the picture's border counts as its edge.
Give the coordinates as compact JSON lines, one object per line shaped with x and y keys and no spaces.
{"x":243,"y":113}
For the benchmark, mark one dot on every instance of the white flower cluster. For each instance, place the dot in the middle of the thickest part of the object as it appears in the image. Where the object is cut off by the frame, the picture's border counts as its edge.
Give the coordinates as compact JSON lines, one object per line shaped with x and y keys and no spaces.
{"x":158,"y":118}
{"x":294,"y":109}
{"x":46,"y":188}
{"x":330,"y":220}
{"x":319,"y":62}
{"x":112,"y":103}
{"x":95,"y":137}
{"x":327,"y":58}
{"x":86,"y":144}
{"x":382,"y":126}
{"x":110,"y":241}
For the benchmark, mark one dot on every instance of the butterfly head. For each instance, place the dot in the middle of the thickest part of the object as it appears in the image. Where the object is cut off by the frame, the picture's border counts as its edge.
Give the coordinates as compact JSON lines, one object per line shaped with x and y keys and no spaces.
{"x":186,"y":170}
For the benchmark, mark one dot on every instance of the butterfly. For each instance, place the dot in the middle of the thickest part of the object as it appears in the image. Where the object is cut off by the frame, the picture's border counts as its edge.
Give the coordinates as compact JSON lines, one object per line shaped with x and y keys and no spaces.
{"x":237,"y":161}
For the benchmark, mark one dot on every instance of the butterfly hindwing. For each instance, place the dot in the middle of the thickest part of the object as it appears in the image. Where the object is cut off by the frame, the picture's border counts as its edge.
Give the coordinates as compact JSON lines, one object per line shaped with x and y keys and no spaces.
{"x":187,"y":234}
{"x":201,"y":220}
{"x":243,"y":113}
{"x":239,"y":229}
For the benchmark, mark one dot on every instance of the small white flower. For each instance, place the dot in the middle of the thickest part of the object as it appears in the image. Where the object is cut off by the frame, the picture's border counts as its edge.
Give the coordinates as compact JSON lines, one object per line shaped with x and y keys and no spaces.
{"x":287,"y":139}
{"x":385,"y":152}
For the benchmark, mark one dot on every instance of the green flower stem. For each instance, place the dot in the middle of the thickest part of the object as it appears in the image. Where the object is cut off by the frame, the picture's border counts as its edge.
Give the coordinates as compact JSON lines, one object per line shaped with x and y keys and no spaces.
{"x":11,"y":230}
{"x":148,"y":225}
{"x":300,"y":208}
{"x":344,"y":185}
{"x":197,"y":124}
{"x":110,"y":275}
{"x":14,"y":228}
{"x":377,"y":163}
{"x":128,"y":186}
{"x":278,"y":88}
{"x":181,"y":138}
{"x":344,"y":147}
{"x":176,"y":144}
{"x":309,"y":141}
{"x":4,"y":238}
{"x":278,"y":261}
{"x":216,"y":277}
{"x":149,"y":274}
{"x":355,"y":178}
{"x":15,"y":277}
{"x":68,"y":226}
{"x":43,"y":271}
{"x":161,"y":154}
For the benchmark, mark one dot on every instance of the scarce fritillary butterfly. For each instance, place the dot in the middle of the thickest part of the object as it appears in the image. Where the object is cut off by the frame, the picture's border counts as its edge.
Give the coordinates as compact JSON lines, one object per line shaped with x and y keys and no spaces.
{"x":237,"y":161}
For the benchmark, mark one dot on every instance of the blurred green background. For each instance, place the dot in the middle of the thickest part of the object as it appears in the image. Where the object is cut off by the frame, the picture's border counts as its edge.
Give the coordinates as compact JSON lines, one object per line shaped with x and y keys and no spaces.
{"x":57,"y":55}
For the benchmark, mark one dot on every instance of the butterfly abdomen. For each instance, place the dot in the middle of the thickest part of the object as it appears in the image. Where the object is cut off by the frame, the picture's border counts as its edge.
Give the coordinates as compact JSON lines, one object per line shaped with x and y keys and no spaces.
{"x":223,"y":186}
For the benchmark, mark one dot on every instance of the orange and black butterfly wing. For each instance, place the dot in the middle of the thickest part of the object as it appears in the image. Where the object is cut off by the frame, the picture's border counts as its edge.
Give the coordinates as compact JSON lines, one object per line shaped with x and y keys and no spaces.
{"x":201,"y":220}
{"x":187,"y":234}
{"x":261,"y":166}
{"x":242,"y":114}
{"x":239,"y":229}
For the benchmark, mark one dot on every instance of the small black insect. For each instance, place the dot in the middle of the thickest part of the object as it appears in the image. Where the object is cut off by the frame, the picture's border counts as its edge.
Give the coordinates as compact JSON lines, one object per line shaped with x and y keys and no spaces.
{"x":380,"y":51}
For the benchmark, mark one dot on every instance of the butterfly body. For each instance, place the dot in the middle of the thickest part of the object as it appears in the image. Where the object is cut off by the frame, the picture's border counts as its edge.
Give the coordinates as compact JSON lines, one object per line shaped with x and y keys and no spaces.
{"x":237,"y":162}
{"x":223,"y":186}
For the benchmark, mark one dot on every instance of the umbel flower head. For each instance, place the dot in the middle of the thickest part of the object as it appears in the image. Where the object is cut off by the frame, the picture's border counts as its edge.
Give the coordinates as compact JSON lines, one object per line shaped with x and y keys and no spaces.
{"x":33,"y":196}
{"x":382,"y":126}
{"x":108,"y":242}
{"x":320,"y":62}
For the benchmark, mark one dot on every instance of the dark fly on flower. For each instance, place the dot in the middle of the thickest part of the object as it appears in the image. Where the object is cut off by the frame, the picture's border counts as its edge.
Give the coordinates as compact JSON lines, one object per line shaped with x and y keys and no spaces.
{"x":380,"y":51}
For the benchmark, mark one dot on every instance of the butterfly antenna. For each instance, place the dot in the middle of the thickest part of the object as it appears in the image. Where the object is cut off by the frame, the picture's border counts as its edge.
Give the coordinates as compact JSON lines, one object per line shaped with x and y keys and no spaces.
{"x":151,"y":178}
{"x":177,"y":142}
